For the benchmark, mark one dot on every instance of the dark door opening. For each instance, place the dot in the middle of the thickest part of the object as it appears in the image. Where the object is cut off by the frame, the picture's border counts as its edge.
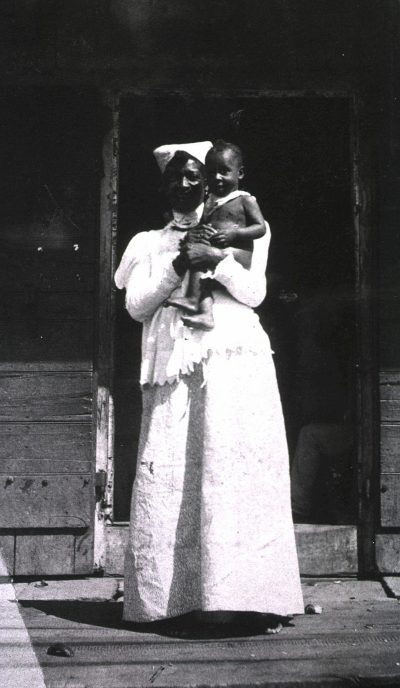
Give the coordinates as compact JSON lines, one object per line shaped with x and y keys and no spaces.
{"x":298,"y":165}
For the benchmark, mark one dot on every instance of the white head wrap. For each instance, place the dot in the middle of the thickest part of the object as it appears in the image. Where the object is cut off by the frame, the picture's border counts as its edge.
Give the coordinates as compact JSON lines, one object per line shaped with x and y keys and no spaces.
{"x":198,"y":150}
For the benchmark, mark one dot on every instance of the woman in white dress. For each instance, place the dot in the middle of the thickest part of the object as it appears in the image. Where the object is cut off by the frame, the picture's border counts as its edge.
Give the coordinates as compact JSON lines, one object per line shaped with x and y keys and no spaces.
{"x":211,"y":527}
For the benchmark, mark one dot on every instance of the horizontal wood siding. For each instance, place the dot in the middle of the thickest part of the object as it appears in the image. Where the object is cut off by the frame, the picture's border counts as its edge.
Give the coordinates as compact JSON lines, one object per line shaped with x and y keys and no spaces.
{"x":388,"y":552}
{"x":44,"y":467}
{"x":46,"y":501}
{"x":327,"y":550}
{"x":38,"y":554}
{"x":52,"y":444}
{"x":45,"y":396}
{"x":48,"y":251}
{"x":83,"y":551}
{"x":46,"y":471}
{"x":390,"y":500}
{"x":390,"y":449}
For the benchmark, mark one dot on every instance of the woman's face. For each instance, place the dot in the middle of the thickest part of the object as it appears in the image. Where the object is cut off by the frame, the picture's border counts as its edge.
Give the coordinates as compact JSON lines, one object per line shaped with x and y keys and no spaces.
{"x":184,"y":183}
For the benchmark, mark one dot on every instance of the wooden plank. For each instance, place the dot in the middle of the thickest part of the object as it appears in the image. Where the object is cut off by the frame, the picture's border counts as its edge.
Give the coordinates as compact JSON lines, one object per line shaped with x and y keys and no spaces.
{"x":44,"y":467}
{"x":338,"y":649}
{"x":390,"y":499}
{"x":45,"y":396}
{"x":31,"y":442}
{"x":45,"y":554}
{"x":116,"y":542}
{"x":326,"y":550}
{"x":387,"y":552}
{"x":46,"y":501}
{"x":390,"y":448}
{"x":390,"y":410}
{"x":83,"y":552}
{"x":61,"y":366}
{"x":389,"y":377}
{"x":389,"y":393}
{"x":7,"y":543}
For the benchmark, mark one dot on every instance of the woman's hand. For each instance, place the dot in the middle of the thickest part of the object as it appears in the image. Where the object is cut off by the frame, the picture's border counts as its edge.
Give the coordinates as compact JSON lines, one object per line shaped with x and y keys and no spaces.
{"x":202,"y":256}
{"x":225,"y":237}
{"x":200,"y":234}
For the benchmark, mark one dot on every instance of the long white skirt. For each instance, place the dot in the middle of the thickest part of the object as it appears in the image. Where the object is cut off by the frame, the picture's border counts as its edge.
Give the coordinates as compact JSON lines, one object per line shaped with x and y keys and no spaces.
{"x":211,"y":525}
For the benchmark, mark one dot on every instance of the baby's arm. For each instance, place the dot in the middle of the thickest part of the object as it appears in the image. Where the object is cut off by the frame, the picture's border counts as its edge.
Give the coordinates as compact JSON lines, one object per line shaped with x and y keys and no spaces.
{"x":254,"y":229}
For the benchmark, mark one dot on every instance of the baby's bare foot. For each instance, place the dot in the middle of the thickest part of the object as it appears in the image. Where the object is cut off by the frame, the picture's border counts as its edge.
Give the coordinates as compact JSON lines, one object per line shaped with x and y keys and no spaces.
{"x":201,"y":321}
{"x":186,"y":304}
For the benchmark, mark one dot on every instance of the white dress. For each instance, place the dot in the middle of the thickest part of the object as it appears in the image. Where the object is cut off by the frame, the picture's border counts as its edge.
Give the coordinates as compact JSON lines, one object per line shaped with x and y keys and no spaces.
{"x":211,"y":525}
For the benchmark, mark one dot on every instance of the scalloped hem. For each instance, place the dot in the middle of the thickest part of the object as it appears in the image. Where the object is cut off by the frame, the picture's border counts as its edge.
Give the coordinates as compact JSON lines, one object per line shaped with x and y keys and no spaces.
{"x":190,"y":366}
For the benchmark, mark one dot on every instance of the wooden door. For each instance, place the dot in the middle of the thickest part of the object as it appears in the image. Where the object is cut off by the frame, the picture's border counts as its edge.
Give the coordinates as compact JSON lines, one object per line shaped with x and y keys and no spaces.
{"x":299,"y":165}
{"x":48,"y":242}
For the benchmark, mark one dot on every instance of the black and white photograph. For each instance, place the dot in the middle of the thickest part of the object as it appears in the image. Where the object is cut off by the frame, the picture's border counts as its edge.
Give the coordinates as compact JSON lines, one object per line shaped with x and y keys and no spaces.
{"x":200,"y":344}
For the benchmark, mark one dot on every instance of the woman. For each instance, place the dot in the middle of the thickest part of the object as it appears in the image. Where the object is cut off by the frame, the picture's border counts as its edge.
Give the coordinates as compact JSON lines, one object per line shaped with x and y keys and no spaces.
{"x":211,"y":526}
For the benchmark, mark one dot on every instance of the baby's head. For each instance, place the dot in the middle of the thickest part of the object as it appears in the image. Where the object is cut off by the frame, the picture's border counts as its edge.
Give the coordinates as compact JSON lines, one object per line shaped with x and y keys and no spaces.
{"x":224,"y":168}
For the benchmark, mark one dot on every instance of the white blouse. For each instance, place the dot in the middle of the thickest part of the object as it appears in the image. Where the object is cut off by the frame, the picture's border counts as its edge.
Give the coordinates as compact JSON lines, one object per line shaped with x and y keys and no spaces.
{"x":169,"y":348}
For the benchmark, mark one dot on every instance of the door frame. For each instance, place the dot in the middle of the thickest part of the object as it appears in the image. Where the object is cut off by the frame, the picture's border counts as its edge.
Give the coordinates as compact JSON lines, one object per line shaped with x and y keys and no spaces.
{"x":110,"y":535}
{"x":366,"y":241}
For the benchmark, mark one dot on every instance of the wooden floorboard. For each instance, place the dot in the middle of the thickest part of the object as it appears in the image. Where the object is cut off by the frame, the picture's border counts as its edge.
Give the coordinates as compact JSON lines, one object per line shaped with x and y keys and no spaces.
{"x":355,"y":642}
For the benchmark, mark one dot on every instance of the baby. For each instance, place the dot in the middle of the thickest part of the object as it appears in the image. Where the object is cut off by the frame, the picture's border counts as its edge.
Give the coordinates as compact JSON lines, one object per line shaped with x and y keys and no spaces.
{"x":231,"y":218}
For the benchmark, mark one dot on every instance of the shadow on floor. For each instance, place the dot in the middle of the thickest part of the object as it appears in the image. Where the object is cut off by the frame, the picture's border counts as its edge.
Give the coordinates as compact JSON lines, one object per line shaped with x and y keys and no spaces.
{"x":109,"y":615}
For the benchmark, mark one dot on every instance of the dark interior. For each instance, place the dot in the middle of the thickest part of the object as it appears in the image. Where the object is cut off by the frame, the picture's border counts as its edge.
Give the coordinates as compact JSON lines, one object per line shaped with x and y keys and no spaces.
{"x":298,"y":165}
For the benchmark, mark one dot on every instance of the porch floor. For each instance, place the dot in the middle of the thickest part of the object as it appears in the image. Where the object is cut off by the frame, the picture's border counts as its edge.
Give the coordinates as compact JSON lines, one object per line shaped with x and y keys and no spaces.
{"x":354,"y":641}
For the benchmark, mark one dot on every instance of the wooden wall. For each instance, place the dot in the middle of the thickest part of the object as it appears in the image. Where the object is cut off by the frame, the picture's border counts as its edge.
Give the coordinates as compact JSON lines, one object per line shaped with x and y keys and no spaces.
{"x":51,"y":170}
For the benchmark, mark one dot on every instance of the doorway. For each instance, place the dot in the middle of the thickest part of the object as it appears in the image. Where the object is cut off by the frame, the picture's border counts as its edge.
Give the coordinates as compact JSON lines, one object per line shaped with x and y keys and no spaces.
{"x":298,"y":164}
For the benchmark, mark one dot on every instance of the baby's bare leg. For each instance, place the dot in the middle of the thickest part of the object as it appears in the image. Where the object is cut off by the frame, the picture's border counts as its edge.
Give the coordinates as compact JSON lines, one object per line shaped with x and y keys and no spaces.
{"x":204,"y":319}
{"x":190,"y":302}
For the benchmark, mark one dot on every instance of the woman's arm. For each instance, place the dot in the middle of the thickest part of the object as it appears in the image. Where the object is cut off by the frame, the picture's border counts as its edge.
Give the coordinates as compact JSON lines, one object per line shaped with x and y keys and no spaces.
{"x":148,"y":277}
{"x":246,"y":286}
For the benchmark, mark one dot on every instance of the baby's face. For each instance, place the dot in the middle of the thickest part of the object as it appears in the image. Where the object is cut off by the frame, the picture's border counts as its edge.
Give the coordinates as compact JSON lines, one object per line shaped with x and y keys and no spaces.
{"x":223,"y":170}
